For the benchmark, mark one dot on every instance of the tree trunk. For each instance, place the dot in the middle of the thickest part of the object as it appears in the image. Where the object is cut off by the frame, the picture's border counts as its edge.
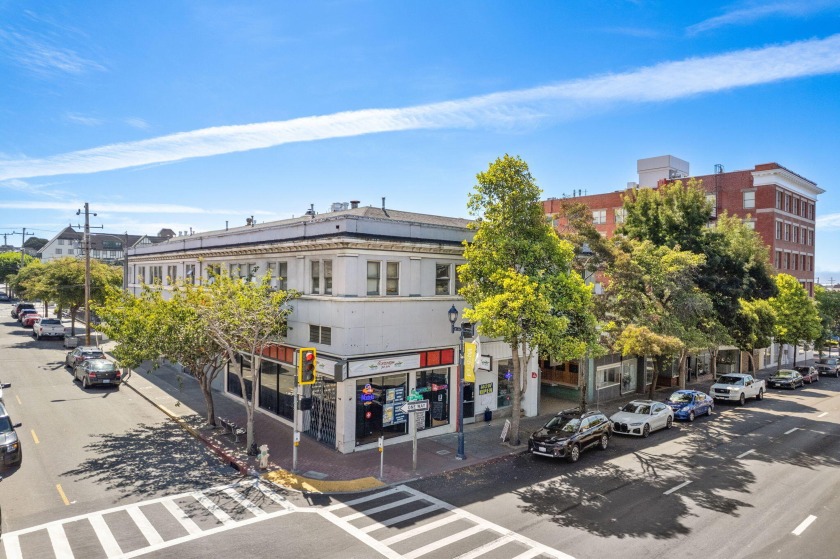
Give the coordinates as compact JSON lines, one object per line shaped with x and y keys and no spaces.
{"x":656,"y":369}
{"x":516,"y":403}
{"x":583,"y":373}
{"x":683,"y":359}
{"x":206,"y":391}
{"x":779,"y":358}
{"x":794,"y":354}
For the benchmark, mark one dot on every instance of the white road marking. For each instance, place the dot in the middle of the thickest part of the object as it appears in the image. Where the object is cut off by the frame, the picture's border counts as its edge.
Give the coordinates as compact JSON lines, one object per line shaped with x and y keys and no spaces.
{"x":60,"y":545}
{"x":443,"y":542}
{"x":530,"y":554}
{"x":12,"y":546}
{"x":381,"y":508}
{"x":145,"y":526}
{"x":745,"y":453}
{"x":479,"y":551}
{"x":401,"y":518}
{"x":805,"y":523}
{"x":419,"y":530}
{"x":370,"y":541}
{"x":791,"y":431}
{"x":221,"y":515}
{"x":364,"y":499}
{"x":677,"y":488}
{"x":106,"y":538}
{"x":239,"y":498}
{"x":185,"y":521}
{"x":823,"y":414}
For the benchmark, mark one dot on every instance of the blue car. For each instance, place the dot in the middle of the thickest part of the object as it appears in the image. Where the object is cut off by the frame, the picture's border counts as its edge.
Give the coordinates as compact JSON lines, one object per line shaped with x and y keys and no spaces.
{"x":688,"y":404}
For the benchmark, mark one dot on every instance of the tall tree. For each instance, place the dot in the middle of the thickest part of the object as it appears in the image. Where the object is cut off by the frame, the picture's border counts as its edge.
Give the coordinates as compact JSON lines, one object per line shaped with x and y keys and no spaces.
{"x":797,"y":319}
{"x":752,"y":327}
{"x":65,"y":278}
{"x":828,"y":305}
{"x":243,"y":318}
{"x":149,"y":327}
{"x":10,"y":264}
{"x":518,"y":278}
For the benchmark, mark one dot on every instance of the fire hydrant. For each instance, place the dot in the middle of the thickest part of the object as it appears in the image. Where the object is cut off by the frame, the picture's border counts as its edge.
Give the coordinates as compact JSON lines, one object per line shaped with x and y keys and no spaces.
{"x":263,"y":456}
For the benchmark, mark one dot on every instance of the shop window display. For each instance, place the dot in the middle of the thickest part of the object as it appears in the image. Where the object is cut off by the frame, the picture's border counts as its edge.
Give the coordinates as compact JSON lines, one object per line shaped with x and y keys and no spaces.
{"x":277,"y":389}
{"x":433,"y":385}
{"x":504,"y":368}
{"x":377,"y":408}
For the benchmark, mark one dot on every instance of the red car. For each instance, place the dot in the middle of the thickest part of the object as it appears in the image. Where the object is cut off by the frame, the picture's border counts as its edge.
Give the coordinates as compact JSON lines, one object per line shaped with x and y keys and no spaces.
{"x":809,"y":374}
{"x":29,"y":319}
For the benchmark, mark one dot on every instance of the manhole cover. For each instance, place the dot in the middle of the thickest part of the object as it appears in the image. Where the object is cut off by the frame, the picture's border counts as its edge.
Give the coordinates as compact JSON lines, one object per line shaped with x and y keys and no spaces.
{"x":315,"y":475}
{"x":443,"y":452}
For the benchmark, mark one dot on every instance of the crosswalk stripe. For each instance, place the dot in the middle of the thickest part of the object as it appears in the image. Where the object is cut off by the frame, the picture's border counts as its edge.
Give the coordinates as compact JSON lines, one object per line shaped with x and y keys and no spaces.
{"x":529,"y":554}
{"x":185,"y":521}
{"x":60,"y":545}
{"x":402,"y":518}
{"x":419,"y":530}
{"x":479,"y":551}
{"x":252,"y":508}
{"x":434,"y":546}
{"x":380,"y":508}
{"x":274,"y":496}
{"x":11,"y":544}
{"x":145,"y":526}
{"x":361,"y":500}
{"x":106,"y":538}
{"x":221,"y":515}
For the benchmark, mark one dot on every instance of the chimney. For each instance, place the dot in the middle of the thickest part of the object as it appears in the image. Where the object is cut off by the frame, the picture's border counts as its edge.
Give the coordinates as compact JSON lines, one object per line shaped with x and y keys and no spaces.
{"x":354,"y":204}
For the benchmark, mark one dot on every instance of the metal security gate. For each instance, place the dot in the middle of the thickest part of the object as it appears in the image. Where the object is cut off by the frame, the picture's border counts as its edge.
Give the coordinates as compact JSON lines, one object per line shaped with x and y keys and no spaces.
{"x":320,"y":423}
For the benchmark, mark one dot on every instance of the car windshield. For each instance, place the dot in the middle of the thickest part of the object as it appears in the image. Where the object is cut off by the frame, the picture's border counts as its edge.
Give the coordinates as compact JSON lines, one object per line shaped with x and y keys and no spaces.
{"x":680,"y":398}
{"x":565,"y":423}
{"x":101,"y":365}
{"x":5,"y":424}
{"x":92,"y":355}
{"x":730,"y":380}
{"x":784,"y":374}
{"x":635,"y":407}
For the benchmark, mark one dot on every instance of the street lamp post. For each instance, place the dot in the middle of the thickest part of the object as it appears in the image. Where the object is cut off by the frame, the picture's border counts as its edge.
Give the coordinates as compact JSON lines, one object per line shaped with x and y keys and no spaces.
{"x":453,"y":317}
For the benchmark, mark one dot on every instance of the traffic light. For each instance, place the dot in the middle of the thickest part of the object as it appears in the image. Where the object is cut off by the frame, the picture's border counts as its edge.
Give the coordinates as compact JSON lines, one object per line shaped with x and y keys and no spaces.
{"x":306,"y":365}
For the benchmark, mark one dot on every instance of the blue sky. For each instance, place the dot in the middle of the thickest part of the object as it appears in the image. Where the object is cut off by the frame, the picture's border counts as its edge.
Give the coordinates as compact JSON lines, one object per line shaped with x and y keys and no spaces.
{"x":188,"y":114}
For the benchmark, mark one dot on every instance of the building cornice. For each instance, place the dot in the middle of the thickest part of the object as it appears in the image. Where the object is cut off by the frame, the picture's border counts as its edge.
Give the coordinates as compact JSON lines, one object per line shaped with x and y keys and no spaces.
{"x":787,"y":179}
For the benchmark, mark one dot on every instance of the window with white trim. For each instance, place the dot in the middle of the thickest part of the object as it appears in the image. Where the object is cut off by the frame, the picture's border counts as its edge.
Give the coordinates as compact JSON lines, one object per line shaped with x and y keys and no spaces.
{"x":749,"y":199}
{"x":189,"y":273}
{"x":599,"y":217}
{"x":392,"y":278}
{"x":374,"y":277}
{"x":315,"y":269}
{"x":320,"y":334}
{"x":172,"y":274}
{"x":620,"y":215}
{"x":443,"y":275}
{"x":58,"y":251}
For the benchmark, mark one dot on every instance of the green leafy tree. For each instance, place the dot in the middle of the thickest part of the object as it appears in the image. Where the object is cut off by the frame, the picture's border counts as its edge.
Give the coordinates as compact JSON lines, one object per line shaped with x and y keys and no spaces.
{"x":30,"y":283}
{"x":243,"y":317}
{"x":797,"y":319}
{"x":828,"y":304}
{"x":149,"y":327}
{"x":752,"y":327}
{"x":518,"y":279}
{"x":652,"y":288}
{"x":35,"y":243}
{"x":10,"y":264}
{"x":65,"y":281}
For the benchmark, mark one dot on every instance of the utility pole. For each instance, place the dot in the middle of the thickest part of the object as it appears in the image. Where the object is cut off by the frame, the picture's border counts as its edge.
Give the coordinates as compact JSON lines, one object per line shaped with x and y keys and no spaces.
{"x":86,"y":243}
{"x":22,"y":241}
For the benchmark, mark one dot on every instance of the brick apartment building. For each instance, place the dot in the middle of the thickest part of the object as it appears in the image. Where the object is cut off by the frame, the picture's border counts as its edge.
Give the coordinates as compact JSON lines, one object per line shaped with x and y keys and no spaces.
{"x":778,"y":203}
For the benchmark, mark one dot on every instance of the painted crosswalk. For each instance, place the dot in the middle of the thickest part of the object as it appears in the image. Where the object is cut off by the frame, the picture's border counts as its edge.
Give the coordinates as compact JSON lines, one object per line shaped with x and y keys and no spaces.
{"x":403,"y":523}
{"x":156,"y":524}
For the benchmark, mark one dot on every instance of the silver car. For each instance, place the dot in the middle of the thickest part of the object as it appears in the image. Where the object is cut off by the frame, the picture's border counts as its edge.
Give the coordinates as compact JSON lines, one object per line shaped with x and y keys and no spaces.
{"x":640,"y":417}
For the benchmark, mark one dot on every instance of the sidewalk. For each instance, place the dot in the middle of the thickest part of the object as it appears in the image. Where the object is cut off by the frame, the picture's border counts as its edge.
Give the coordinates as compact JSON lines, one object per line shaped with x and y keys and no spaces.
{"x":321,"y":469}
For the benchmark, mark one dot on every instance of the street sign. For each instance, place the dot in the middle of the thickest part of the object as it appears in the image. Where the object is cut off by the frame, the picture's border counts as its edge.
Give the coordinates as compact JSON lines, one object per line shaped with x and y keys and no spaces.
{"x":421,"y":405}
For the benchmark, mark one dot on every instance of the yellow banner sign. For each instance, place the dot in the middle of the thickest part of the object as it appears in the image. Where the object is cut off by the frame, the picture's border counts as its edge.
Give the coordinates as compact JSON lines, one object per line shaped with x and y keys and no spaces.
{"x":469,"y":362}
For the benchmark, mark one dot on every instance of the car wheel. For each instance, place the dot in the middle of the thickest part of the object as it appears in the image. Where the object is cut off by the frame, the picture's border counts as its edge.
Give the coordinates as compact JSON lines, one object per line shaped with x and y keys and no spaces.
{"x":574,"y":453}
{"x":604,"y":442}
{"x":85,"y":382}
{"x":710,"y":409}
{"x":691,"y":415}
{"x":742,"y":399}
{"x":646,"y":431}
{"x":668,"y":423}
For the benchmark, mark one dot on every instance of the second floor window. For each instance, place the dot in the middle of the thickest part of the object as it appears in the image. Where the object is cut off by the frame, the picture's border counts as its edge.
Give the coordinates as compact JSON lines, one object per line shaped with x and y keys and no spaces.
{"x":140,"y":276}
{"x":316,"y":276}
{"x":157,"y":273}
{"x":749,"y":199}
{"x":374,"y":275}
{"x":189,"y":273}
{"x":599,"y":217}
{"x":620,"y":215}
{"x":442,"y":277}
{"x":58,"y":251}
{"x":392,"y":280}
{"x":172,"y":274}
{"x":320,"y":334}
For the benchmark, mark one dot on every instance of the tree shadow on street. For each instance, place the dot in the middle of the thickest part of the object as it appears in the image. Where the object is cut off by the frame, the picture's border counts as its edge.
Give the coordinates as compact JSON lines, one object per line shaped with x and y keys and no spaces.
{"x":150,"y":459}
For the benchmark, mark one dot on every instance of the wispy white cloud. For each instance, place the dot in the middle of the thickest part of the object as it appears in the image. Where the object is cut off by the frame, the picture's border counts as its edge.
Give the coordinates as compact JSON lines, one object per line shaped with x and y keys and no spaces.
{"x":753,"y":12}
{"x":137,"y":123}
{"x":82,"y":119}
{"x":828,"y":222}
{"x":41,"y":57}
{"x":127,"y":208}
{"x":568,"y":99}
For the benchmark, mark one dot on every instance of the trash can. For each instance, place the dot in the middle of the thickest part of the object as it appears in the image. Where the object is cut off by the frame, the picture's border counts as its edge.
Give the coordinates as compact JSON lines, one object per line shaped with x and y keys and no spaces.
{"x":488,"y":414}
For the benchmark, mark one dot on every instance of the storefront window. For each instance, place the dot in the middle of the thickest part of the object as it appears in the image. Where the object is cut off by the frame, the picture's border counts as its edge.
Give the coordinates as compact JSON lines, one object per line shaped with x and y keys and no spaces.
{"x":243,"y":366}
{"x":504,"y":369}
{"x":433,"y":385}
{"x":277,"y":389}
{"x":377,"y":408}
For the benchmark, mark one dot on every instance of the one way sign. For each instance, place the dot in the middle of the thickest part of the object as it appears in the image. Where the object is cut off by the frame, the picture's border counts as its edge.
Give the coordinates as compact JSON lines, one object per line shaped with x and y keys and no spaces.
{"x":420,"y":405}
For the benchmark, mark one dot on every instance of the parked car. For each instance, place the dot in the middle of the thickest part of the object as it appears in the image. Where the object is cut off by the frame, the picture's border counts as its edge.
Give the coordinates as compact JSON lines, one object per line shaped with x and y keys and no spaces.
{"x":48,"y":328}
{"x":823,"y":369}
{"x":81,"y":353}
{"x":640,"y":417}
{"x":16,"y":309}
{"x":737,"y":387}
{"x":23,"y":312}
{"x":569,"y":433}
{"x":688,"y":404}
{"x":832,"y":362}
{"x":4,"y":298}
{"x":97,"y":371}
{"x":28,"y":320}
{"x":9,"y":442}
{"x":4,"y":386}
{"x":809,"y":373}
{"x":786,"y":378}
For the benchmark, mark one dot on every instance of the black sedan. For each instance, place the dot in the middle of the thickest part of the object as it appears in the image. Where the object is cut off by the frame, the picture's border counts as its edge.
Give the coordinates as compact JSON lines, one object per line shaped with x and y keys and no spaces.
{"x":97,"y":371}
{"x":786,"y":378}
{"x":569,"y":433}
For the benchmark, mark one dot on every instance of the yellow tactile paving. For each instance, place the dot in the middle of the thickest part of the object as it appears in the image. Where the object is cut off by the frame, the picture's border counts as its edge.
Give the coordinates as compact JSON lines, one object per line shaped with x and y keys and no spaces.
{"x":300,"y":483}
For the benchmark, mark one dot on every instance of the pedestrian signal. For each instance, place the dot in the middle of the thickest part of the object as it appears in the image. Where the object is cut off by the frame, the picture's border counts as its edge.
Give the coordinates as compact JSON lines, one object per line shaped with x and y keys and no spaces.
{"x":306,"y":365}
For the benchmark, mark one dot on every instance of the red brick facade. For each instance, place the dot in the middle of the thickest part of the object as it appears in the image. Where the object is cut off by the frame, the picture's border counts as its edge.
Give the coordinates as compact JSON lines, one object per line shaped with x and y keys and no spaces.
{"x":780,"y":204}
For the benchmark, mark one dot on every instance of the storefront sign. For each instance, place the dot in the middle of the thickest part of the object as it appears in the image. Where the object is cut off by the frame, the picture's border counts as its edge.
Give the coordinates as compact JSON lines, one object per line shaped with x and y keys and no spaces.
{"x":485,"y":363}
{"x":325,"y":367}
{"x":485,"y":388}
{"x":367,"y":394}
{"x":377,"y":367}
